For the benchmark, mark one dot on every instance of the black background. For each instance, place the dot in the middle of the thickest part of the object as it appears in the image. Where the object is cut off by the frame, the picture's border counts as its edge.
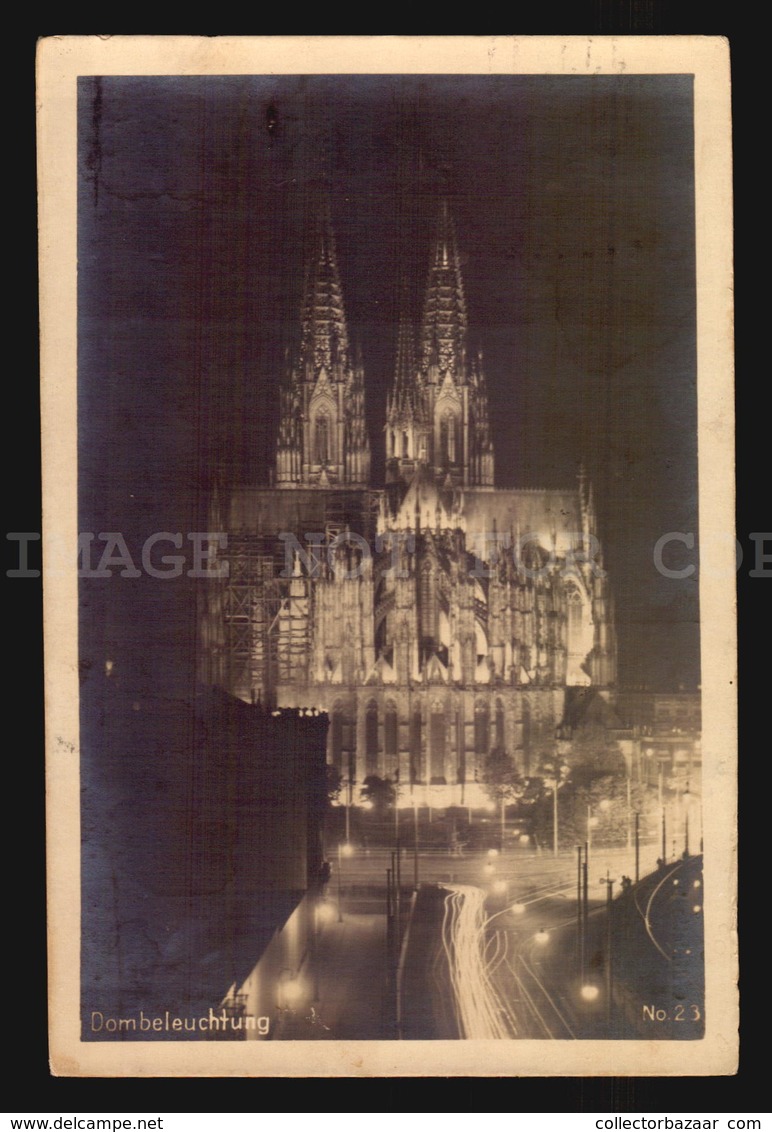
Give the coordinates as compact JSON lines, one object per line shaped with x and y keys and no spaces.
{"x":573,"y":203}
{"x":34,"y":1088}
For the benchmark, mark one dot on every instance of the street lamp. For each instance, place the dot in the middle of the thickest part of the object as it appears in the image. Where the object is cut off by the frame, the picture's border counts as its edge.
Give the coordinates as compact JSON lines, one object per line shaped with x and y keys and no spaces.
{"x":415,"y":842}
{"x":555,"y":816}
{"x":582,"y":906}
{"x":348,"y":808}
{"x":609,"y":883}
{"x":344,"y":850}
{"x":664,"y":838}
{"x":593,"y":821}
{"x":557,"y":773}
{"x":288,"y":989}
{"x":686,"y":799}
{"x":589,"y":992}
{"x":661,"y":759}
{"x":325,"y":913}
{"x":396,"y":814}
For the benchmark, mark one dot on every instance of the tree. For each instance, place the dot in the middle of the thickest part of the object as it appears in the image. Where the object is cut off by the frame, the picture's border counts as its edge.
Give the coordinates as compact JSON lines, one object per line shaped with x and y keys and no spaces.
{"x":594,"y":754}
{"x":334,"y":783}
{"x":501,"y":778}
{"x":379,"y":791}
{"x":503,"y":782}
{"x":551,"y":775}
{"x":602,"y":802}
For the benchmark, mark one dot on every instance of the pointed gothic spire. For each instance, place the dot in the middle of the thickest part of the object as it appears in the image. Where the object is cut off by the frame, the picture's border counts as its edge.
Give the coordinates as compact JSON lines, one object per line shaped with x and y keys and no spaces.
{"x":403,"y":405}
{"x":322,"y":437}
{"x":324,"y":336}
{"x":444,"y":326}
{"x":437,"y":411}
{"x":402,"y":398}
{"x":406,"y":419}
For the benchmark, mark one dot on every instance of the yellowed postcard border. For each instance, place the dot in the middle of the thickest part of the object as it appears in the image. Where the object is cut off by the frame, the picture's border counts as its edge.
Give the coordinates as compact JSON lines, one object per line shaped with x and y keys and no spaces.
{"x":60,"y":62}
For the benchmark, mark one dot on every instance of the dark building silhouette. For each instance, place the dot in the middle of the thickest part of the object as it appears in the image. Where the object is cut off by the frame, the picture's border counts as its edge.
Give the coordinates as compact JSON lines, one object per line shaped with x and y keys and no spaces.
{"x":202,"y":843}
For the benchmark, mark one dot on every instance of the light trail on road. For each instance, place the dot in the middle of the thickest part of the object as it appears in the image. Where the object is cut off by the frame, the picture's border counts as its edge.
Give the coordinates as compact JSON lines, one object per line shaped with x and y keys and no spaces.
{"x":645,"y":914}
{"x":531,"y":986}
{"x":533,"y":975}
{"x":480,"y":1010}
{"x":508,"y":980}
{"x":487,"y":964}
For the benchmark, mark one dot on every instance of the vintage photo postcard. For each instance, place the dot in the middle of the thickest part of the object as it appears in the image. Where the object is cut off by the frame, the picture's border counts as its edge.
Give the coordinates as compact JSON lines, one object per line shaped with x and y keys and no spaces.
{"x":389,"y":557}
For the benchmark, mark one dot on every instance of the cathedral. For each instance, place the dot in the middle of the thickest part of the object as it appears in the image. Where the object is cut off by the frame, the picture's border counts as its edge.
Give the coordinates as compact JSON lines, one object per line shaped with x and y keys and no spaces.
{"x":434,"y":617}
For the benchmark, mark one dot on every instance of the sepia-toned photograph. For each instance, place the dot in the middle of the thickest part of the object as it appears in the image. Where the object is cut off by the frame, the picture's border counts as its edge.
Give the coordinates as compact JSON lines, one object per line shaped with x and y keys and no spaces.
{"x":390,"y":639}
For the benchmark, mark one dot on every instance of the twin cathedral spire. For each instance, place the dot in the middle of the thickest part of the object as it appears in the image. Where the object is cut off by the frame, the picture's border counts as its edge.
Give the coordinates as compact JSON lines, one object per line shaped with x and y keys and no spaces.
{"x":490,"y":606}
{"x":323,"y":437}
{"x":437,"y":408}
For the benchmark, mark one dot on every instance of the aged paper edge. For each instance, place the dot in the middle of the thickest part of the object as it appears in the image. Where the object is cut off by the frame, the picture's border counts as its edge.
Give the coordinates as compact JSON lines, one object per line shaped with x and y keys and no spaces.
{"x":60,"y":61}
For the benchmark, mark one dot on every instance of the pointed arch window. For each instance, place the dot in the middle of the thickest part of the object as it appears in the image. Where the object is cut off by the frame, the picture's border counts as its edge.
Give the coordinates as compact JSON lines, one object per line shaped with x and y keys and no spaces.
{"x":482,"y":731}
{"x":391,"y":738}
{"x":371,"y":738}
{"x":336,"y":737}
{"x":574,"y":613}
{"x":322,"y":439}
{"x":415,"y":746}
{"x":448,"y":437}
{"x":438,"y":736}
{"x":341,"y":745}
{"x":526,"y":730}
{"x":428,"y":604}
{"x":574,"y":625}
{"x":500,"y":730}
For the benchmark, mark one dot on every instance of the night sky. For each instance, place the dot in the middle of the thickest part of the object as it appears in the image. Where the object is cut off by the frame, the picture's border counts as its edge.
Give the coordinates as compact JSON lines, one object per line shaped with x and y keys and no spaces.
{"x":574,"y":207}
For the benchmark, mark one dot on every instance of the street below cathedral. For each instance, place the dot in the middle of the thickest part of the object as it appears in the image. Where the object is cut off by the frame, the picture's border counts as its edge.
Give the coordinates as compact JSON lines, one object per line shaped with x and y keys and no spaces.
{"x":507,"y":946}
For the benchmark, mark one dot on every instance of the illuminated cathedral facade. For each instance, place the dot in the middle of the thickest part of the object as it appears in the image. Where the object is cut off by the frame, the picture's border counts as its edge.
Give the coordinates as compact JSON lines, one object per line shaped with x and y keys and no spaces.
{"x":434,"y":617}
